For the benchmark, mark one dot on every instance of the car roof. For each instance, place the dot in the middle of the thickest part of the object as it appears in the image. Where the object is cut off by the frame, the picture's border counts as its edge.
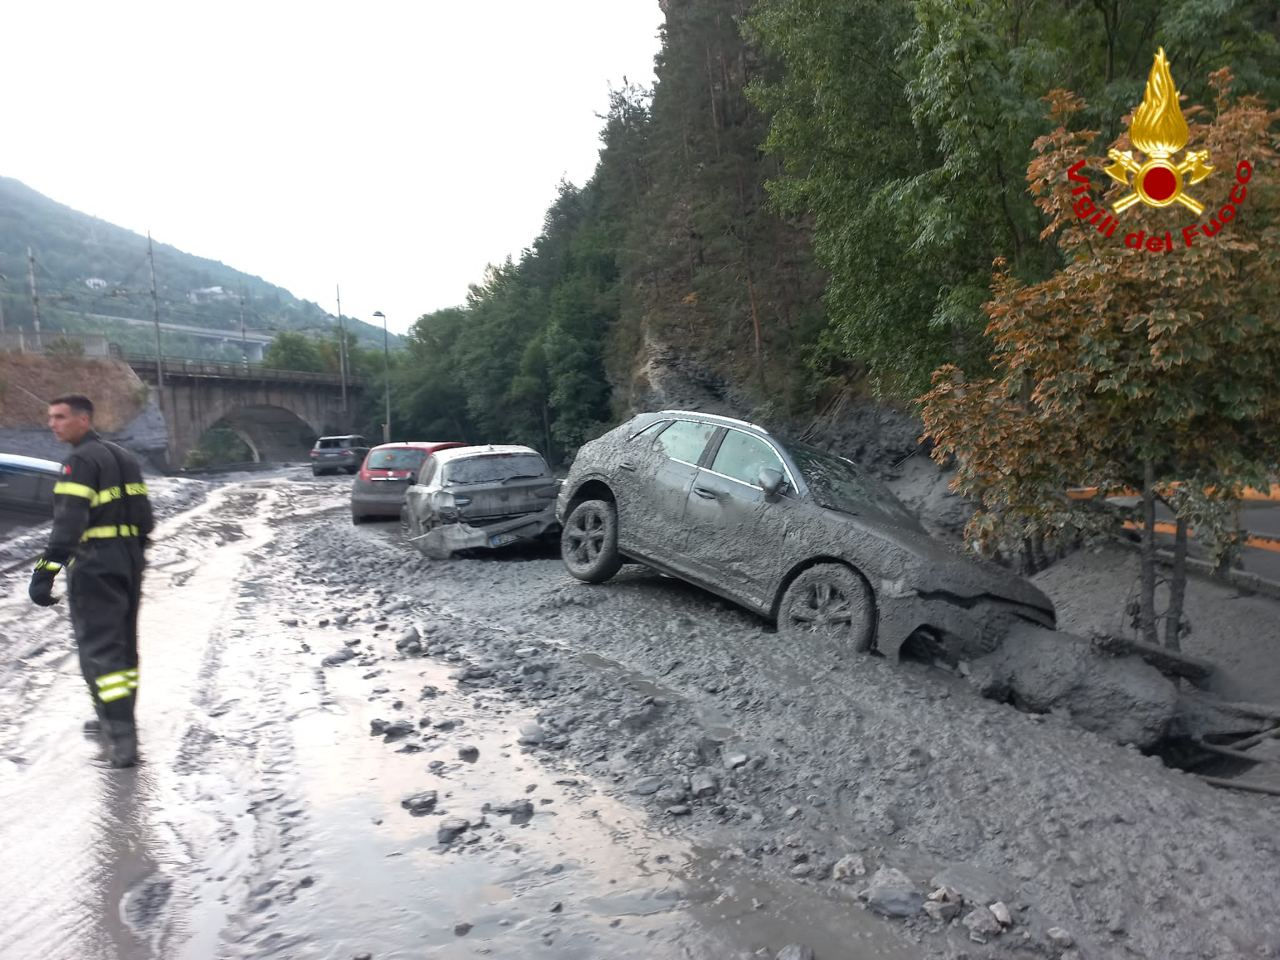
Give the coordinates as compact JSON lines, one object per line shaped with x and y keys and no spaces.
{"x":488,"y":450}
{"x":342,"y":436}
{"x":419,"y":445}
{"x":706,"y":418}
{"x":30,"y":463}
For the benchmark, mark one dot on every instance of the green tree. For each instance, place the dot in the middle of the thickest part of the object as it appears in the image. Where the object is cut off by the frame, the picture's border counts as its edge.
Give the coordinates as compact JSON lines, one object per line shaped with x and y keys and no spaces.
{"x":903,"y":129}
{"x":294,"y":351}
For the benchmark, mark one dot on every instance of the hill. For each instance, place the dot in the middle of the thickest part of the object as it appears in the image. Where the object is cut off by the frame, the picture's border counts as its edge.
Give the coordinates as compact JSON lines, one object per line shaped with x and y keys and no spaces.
{"x":92,"y":276}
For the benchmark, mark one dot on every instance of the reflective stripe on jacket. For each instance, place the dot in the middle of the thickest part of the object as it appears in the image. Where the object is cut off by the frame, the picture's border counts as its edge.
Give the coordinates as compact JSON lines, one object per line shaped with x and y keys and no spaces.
{"x":101,"y":496}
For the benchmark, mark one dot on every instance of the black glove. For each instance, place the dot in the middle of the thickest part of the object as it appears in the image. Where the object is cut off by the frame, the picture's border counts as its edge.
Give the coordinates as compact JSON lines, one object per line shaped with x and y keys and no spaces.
{"x":41,"y":589}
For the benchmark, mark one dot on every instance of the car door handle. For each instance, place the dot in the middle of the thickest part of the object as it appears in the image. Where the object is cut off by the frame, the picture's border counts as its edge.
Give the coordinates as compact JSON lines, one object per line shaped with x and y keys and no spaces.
{"x":626,"y":465}
{"x":706,"y":494}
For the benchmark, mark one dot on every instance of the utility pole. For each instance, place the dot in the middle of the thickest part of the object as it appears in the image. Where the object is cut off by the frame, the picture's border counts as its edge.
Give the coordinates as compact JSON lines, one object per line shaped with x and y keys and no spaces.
{"x":386,"y":376}
{"x":35,"y":297}
{"x":244,"y":343}
{"x":155,"y":307}
{"x":342,"y":348}
{"x":4,"y":282}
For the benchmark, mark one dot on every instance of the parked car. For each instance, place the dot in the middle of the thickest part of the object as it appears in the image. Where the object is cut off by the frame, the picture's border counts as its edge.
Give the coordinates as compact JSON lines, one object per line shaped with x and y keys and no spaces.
{"x":26,"y":484}
{"x":800,"y":536}
{"x":386,"y":474}
{"x":480,"y":497}
{"x":333,"y":454}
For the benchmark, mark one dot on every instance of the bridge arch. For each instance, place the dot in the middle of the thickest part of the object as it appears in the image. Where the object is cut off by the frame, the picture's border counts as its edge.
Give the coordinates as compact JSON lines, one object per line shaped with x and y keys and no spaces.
{"x":272,"y":433}
{"x":278,"y":413}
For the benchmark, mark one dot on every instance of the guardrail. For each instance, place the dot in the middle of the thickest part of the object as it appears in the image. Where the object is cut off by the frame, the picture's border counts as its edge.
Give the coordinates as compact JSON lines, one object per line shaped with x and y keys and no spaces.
{"x":217,"y":370}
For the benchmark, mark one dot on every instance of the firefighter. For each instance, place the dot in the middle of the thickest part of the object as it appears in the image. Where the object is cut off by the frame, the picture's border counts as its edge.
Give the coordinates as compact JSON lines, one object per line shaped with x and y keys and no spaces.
{"x":101,"y":522}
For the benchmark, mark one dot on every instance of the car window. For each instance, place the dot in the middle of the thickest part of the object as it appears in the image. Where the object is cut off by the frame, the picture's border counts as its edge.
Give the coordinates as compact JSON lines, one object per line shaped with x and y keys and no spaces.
{"x":428,"y":471}
{"x":684,"y":440}
{"x":743,"y":456}
{"x":839,"y":484}
{"x":649,"y":431}
{"x":395,"y":459}
{"x":328,"y":444}
{"x":495,"y":467}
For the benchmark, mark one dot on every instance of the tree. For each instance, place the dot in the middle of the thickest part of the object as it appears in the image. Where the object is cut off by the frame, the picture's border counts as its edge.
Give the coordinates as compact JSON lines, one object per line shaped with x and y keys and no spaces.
{"x":1128,"y":368}
{"x":902,"y":128}
{"x":294,"y":351}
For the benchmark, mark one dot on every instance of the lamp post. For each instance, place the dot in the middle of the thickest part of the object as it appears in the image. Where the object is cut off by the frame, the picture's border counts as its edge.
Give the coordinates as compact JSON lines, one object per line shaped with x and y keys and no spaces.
{"x":386,"y":377}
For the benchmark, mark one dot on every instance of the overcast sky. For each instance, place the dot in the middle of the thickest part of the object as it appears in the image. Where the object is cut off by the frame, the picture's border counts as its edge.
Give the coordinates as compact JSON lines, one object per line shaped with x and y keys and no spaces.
{"x":394,"y":147}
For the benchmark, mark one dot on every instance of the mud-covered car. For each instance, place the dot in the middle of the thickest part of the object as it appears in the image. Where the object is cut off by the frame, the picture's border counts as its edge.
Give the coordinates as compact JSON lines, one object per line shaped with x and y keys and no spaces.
{"x":387,"y":473}
{"x":795,"y":534}
{"x":480,"y":498}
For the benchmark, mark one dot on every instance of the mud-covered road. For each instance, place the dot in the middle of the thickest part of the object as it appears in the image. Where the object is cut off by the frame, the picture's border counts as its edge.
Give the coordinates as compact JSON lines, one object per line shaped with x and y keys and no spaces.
{"x":630,"y":770}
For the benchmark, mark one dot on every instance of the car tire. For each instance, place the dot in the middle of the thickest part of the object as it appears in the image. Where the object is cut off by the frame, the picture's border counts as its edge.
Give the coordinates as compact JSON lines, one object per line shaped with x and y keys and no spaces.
{"x":358,"y":518}
{"x":832,"y":602}
{"x":589,"y":541}
{"x":317,"y":473}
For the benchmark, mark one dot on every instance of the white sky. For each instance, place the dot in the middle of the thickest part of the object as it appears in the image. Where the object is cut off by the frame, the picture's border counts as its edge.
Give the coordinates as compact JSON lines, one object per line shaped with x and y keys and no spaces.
{"x":394,"y":147}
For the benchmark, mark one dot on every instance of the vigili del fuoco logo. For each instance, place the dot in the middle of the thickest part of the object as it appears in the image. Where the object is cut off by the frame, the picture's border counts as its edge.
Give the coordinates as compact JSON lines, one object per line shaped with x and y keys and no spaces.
{"x":1158,"y":131}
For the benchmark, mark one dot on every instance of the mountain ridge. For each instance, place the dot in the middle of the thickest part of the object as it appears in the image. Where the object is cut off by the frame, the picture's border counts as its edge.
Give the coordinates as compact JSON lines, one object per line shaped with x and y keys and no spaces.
{"x":89,"y":270}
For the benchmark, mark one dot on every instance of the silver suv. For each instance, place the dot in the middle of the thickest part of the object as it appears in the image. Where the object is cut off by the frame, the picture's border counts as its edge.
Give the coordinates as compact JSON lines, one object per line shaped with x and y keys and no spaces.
{"x":338,"y":454}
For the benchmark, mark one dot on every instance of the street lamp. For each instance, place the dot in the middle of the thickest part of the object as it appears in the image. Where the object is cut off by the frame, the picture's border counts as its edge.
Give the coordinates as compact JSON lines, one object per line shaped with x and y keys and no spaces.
{"x":386,"y":376}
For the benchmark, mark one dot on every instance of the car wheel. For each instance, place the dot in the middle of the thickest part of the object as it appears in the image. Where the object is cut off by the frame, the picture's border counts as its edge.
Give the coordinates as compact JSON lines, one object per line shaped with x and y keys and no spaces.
{"x":315,"y":472}
{"x":829,"y":602}
{"x":357,"y":518}
{"x":589,"y":541}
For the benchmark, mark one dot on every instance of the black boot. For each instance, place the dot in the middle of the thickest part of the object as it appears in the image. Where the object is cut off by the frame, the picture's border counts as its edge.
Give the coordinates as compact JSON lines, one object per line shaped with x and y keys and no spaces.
{"x":122,"y":746}
{"x":119,"y":732}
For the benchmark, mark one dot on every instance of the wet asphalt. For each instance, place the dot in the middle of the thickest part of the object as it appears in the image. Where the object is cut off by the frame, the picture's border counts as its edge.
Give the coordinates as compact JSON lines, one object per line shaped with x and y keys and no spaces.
{"x":265,"y":821}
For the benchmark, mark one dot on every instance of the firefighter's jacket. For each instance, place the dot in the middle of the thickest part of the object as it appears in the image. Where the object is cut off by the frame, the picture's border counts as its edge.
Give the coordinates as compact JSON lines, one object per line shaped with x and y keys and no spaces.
{"x":100,"y":496}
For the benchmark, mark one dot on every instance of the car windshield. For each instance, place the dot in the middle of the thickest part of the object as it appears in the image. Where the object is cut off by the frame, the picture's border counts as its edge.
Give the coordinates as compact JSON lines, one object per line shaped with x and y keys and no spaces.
{"x":336,"y":443}
{"x":838,"y":484}
{"x":396,"y":459}
{"x":495,"y":468}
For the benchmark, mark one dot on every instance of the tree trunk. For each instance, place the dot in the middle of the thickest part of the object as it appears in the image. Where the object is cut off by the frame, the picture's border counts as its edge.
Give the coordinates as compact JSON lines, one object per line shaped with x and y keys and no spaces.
{"x":1177,"y":588}
{"x":1147,"y":600}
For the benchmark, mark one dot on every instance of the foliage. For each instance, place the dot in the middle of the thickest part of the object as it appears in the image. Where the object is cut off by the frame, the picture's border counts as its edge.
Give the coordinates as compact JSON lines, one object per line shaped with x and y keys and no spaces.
{"x":220,"y":444}
{"x":902,"y":128}
{"x":294,"y":351}
{"x":1128,"y":368}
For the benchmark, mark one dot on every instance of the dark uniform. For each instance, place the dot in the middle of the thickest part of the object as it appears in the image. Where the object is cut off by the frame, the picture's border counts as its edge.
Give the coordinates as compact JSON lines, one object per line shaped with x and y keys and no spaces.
{"x":101,"y":521}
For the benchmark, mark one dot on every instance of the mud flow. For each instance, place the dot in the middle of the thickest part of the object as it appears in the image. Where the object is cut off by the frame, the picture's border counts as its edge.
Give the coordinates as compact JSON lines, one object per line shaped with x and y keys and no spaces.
{"x":266,"y":821}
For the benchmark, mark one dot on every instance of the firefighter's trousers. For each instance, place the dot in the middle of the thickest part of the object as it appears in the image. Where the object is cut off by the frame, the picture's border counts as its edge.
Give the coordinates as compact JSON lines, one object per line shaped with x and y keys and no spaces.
{"x":104,"y":587}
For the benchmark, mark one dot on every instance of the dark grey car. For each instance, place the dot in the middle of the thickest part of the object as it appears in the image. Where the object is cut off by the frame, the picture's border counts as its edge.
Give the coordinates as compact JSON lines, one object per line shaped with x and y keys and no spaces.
{"x":26,"y":484}
{"x":795,"y":534}
{"x":343,"y":453}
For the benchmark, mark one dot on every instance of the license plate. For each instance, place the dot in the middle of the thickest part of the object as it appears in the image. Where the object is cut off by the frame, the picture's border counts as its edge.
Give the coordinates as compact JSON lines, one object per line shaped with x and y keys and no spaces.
{"x":502,"y":539}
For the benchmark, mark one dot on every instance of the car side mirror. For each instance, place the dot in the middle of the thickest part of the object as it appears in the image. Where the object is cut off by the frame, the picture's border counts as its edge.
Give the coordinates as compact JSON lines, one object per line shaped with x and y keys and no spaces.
{"x":770,"y":481}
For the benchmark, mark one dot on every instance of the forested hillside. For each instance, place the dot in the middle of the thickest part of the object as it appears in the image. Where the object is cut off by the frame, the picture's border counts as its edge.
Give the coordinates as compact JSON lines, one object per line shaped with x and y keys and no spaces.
{"x":806,"y":206}
{"x":89,"y":271}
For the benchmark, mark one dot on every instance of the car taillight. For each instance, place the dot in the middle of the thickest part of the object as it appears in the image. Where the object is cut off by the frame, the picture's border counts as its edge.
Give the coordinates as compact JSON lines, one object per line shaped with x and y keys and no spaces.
{"x":315,"y":453}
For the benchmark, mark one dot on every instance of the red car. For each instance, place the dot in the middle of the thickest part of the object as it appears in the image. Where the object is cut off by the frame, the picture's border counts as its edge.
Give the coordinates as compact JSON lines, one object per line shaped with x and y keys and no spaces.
{"x":386,"y":474}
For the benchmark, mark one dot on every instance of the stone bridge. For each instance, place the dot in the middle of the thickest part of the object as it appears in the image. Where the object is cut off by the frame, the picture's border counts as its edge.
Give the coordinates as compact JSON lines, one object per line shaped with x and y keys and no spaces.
{"x":278,"y":413}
